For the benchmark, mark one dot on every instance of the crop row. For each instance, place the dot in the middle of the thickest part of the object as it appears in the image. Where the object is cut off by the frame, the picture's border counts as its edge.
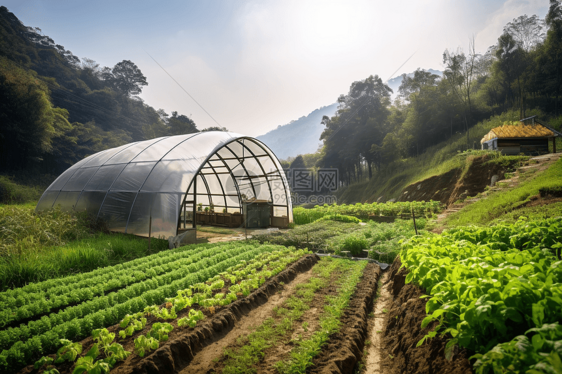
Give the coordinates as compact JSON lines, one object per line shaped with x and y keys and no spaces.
{"x":420,"y":208}
{"x":36,"y":291}
{"x":38,"y":303}
{"x":245,"y":272}
{"x":490,"y":285}
{"x":44,"y":335}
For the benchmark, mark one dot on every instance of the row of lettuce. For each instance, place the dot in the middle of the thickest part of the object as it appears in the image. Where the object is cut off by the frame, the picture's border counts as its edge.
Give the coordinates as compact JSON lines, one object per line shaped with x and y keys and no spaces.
{"x":55,"y":313}
{"x":302,"y":216}
{"x":497,"y":291}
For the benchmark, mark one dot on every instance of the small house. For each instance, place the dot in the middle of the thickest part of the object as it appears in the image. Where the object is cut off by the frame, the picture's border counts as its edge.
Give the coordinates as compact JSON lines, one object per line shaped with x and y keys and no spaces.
{"x":529,"y":138}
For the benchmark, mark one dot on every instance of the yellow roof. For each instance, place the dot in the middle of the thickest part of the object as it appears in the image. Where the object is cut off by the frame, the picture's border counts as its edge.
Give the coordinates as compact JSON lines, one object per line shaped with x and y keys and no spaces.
{"x":517,"y":131}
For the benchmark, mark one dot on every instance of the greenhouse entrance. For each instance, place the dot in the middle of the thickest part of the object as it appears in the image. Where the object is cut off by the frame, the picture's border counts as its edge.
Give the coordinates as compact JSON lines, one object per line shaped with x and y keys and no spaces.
{"x":164,"y":187}
{"x":240,"y":185}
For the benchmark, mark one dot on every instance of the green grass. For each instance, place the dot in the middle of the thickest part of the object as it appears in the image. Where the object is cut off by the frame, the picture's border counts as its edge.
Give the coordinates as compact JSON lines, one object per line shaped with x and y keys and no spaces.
{"x":272,"y":330}
{"x":436,"y":160}
{"x":383,"y":239}
{"x":313,"y":236}
{"x":36,"y":247}
{"x":532,"y":213}
{"x":75,"y":257}
{"x":507,"y":202}
{"x":216,"y":230}
{"x":14,"y":193}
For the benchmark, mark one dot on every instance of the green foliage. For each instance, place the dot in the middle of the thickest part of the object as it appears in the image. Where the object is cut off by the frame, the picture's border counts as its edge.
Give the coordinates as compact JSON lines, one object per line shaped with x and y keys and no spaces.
{"x":150,"y":281}
{"x":271,"y":330}
{"x":143,"y":345}
{"x":490,"y":285}
{"x":502,"y":202}
{"x":38,"y":246}
{"x":303,"y":216}
{"x":191,"y":319}
{"x":160,"y":331}
{"x":339,"y":218}
{"x":68,"y":352}
{"x":14,"y":193}
{"x":302,"y":355}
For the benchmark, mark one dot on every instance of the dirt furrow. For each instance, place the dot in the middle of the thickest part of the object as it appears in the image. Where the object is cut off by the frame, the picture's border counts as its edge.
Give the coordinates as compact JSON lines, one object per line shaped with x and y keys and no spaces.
{"x":204,"y":361}
{"x":345,"y":348}
{"x":403,"y":331}
{"x":373,"y":361}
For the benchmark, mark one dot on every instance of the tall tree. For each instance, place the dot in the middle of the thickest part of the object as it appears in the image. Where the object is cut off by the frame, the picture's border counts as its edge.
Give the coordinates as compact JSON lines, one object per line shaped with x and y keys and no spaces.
{"x":527,"y":31}
{"x":126,"y":77}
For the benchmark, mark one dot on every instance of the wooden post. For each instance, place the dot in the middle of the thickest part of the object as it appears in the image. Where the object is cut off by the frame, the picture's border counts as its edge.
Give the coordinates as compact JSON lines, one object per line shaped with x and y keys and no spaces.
{"x":414,"y":218}
{"x":149,"y":231}
{"x":554,"y":145}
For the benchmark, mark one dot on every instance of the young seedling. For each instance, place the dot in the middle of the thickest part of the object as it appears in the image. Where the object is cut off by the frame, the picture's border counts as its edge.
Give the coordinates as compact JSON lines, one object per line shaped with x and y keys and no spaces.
{"x":68,"y":352}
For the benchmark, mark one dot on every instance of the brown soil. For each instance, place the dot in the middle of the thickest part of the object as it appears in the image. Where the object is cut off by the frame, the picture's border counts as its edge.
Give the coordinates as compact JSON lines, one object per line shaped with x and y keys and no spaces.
{"x":453,"y":185}
{"x":184,"y":342}
{"x":345,"y":348}
{"x":204,"y":361}
{"x":403,"y":331}
{"x":373,"y":361}
{"x":285,"y":344}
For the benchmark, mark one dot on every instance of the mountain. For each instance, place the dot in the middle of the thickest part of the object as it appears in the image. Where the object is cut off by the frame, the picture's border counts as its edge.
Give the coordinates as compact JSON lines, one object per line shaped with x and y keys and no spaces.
{"x":300,"y":136}
{"x":395,"y":82}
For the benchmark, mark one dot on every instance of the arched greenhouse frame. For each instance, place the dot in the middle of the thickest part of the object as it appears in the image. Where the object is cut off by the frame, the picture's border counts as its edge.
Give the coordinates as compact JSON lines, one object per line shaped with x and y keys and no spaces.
{"x":161,"y":187}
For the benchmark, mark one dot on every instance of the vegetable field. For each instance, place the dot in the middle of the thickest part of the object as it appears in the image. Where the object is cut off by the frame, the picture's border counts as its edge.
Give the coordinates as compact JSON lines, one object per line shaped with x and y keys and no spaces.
{"x":471,"y":299}
{"x":495,"y":291}
{"x":41,"y":318}
{"x":363,"y":211}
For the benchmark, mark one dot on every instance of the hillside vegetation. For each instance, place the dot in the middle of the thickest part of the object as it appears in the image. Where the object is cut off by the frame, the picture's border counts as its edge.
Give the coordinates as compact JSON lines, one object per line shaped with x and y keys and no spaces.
{"x":380,"y":146}
{"x":56,"y":108}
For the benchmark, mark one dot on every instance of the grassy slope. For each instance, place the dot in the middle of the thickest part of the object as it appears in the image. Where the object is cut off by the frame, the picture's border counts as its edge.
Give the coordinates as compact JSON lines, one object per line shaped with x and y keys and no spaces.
{"x":436,"y":160}
{"x":505,"y":204}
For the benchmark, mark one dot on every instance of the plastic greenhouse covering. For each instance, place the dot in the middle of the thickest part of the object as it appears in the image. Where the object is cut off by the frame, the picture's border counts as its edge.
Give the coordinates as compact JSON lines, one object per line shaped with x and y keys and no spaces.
{"x":150,"y":182}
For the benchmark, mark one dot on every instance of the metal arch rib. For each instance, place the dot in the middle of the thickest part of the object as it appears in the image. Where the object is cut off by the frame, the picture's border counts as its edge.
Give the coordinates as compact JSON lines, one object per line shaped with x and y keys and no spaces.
{"x":220,"y":183}
{"x":242,"y":164}
{"x":262,"y":169}
{"x":283,"y":180}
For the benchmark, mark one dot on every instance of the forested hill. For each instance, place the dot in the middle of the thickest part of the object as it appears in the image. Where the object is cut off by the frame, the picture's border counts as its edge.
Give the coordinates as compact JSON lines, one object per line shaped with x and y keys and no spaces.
{"x":300,"y":136}
{"x":56,"y":108}
{"x":371,"y":136}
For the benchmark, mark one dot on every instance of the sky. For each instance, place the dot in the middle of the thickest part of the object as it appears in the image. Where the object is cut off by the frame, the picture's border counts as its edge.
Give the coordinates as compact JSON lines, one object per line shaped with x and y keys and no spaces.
{"x":255,"y":65}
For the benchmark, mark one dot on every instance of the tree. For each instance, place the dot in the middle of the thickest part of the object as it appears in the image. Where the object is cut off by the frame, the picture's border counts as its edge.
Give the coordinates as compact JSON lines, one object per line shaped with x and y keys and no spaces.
{"x":527,"y":31}
{"x":26,"y":115}
{"x":510,"y":65}
{"x":126,"y":77}
{"x":298,"y":163}
{"x":550,"y":56}
{"x":459,"y":72}
{"x":215,"y":128}
{"x":181,"y":124}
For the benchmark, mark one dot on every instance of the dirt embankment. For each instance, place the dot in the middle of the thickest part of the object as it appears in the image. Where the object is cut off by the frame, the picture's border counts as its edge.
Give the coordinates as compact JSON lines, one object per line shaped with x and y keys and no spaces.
{"x":403,"y":331}
{"x":455,"y":184}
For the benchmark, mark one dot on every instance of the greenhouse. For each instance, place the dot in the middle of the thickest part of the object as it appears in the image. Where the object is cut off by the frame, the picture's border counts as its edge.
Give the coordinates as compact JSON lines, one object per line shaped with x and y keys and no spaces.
{"x":163,"y":187}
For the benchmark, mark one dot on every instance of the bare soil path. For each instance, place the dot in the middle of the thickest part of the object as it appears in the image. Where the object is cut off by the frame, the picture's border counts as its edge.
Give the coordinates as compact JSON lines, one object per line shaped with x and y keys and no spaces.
{"x":373,"y":361}
{"x":203,"y":361}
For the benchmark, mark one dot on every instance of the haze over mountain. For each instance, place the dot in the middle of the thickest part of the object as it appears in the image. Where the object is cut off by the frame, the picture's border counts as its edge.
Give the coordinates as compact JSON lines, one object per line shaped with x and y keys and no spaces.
{"x":300,"y":136}
{"x":395,"y":82}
